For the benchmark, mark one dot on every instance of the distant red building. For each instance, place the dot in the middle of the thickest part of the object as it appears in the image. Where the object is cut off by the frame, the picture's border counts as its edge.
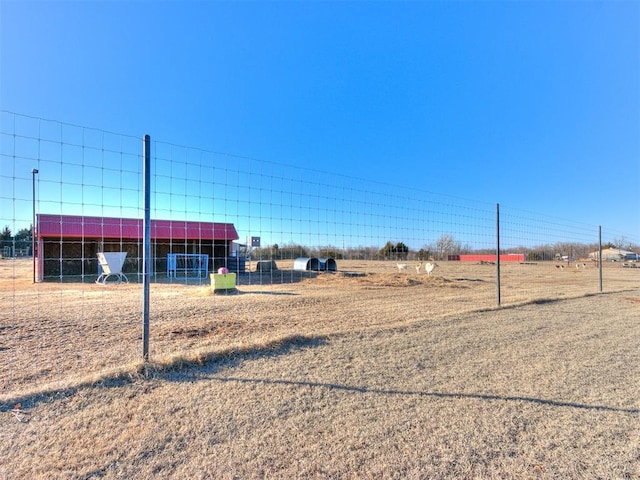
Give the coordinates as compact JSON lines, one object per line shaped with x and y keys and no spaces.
{"x":505,"y":257}
{"x":67,"y":244}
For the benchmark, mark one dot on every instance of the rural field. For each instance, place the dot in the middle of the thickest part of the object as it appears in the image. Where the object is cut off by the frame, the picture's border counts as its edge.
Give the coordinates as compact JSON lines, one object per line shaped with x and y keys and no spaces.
{"x":367,"y":372}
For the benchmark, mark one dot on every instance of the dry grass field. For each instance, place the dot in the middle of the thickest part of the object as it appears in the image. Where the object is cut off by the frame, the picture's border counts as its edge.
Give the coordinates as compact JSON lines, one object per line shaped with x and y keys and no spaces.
{"x":384,"y":375}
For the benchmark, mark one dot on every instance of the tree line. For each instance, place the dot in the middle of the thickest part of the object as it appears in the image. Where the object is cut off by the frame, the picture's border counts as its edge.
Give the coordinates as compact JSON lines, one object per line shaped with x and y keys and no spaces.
{"x":444,"y":246}
{"x":21,"y":241}
{"x":439,"y":250}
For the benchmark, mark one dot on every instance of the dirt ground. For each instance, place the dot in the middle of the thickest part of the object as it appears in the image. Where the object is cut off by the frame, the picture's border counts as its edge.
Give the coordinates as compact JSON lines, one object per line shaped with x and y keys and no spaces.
{"x":56,"y":334}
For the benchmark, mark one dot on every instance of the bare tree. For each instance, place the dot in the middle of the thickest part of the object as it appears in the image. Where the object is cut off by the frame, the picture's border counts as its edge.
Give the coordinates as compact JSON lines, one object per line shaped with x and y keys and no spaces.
{"x":447,"y":245}
{"x":623,"y":243}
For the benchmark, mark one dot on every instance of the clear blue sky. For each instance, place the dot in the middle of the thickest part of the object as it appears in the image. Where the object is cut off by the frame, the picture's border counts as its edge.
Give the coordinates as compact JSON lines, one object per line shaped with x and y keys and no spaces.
{"x":535,"y":105}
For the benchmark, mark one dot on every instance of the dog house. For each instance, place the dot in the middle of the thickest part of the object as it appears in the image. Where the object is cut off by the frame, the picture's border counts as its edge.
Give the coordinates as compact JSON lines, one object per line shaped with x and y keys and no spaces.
{"x":328,"y":265}
{"x":315,"y":264}
{"x":266,"y":266}
{"x":67,"y":245}
{"x":307,"y":263}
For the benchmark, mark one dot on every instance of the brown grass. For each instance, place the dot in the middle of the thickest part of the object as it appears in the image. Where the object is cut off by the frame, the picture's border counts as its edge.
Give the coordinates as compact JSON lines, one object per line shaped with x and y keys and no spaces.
{"x":386,"y":375}
{"x":55,"y":335}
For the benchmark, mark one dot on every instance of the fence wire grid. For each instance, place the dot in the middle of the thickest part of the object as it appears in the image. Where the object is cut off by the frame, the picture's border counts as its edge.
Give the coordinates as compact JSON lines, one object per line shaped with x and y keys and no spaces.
{"x":245,"y":252}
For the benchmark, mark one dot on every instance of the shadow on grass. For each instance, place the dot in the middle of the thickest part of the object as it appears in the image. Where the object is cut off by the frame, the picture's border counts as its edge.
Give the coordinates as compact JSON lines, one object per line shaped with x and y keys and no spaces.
{"x":463,"y":279}
{"x":262,"y":292}
{"x":174,"y":369}
{"x":475,"y":396}
{"x":276,"y":277}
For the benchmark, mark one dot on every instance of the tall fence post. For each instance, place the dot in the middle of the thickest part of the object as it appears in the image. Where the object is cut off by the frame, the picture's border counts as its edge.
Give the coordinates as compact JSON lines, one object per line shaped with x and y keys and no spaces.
{"x":498,"y":252}
{"x":600,"y":259}
{"x":34,"y":172}
{"x":146,"y":253}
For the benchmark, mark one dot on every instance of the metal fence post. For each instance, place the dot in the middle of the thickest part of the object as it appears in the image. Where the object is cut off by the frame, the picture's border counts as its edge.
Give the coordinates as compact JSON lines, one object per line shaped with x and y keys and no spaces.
{"x":34,"y":172}
{"x":498,"y":252}
{"x":600,"y":259}
{"x":146,"y":253}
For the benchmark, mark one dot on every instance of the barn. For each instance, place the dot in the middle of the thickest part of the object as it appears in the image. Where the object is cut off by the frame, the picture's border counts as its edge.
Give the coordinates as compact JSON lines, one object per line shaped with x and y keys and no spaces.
{"x":614,"y":255}
{"x":67,"y":245}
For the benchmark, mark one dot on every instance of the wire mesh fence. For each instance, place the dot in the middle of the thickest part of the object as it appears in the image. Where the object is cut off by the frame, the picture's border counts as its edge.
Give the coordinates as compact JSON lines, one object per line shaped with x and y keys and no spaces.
{"x":246,"y":252}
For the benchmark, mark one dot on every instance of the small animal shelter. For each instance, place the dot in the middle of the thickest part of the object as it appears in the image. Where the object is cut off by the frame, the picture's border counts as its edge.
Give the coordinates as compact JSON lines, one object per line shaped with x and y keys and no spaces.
{"x":315,"y":264}
{"x":67,"y":246}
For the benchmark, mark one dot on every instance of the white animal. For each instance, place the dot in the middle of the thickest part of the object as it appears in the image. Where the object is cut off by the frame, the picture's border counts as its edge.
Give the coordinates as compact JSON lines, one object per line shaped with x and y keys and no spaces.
{"x":402,"y":266}
{"x":430,"y":267}
{"x":418,"y":267}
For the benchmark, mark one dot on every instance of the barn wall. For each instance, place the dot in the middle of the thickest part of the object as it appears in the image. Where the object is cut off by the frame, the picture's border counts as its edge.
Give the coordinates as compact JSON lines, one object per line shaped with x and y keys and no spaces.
{"x":73,"y":259}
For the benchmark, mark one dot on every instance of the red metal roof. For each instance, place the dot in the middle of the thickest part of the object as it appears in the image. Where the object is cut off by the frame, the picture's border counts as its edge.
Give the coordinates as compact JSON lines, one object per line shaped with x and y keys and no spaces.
{"x":74,"y":226}
{"x":504,"y":257}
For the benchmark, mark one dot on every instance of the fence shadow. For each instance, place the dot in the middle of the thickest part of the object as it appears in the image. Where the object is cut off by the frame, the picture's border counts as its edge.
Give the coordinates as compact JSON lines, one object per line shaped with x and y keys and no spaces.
{"x":452,"y":395}
{"x":275,"y":277}
{"x":179,"y":370}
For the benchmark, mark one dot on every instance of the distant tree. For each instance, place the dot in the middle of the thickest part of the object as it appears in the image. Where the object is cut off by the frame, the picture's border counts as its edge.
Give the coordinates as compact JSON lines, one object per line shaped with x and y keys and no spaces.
{"x":423,"y":254}
{"x":6,"y":233}
{"x":22,"y":239}
{"x":330,"y":252}
{"x":288,"y":252}
{"x":535,"y":256}
{"x":622,"y":243}
{"x":362,"y":253}
{"x":23,"y":235}
{"x":399,"y":251}
{"x":447,"y":245}
{"x":387,"y":250}
{"x":468,"y":248}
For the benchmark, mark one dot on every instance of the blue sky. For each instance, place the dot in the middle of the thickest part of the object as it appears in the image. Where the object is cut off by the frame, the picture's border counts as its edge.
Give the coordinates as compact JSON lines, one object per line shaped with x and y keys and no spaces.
{"x":535,"y":105}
